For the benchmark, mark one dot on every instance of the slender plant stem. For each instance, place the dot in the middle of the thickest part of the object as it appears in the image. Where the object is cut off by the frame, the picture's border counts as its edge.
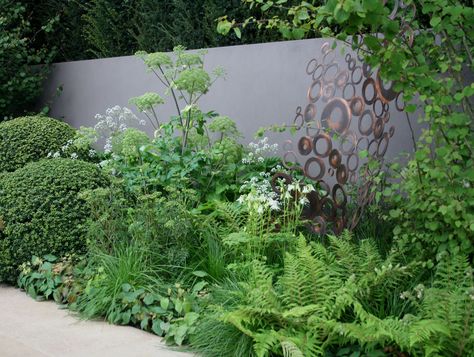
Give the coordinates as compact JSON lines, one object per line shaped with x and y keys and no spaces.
{"x":414,"y":146}
{"x":175,"y":99}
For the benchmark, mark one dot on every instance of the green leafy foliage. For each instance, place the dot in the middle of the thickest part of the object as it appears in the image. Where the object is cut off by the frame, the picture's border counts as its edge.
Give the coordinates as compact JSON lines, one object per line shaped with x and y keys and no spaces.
{"x":27,"y":139}
{"x":48,"y":277}
{"x":187,"y":81}
{"x":449,"y":302}
{"x":89,"y":289}
{"x":163,"y":225}
{"x":215,"y":338}
{"x":211,"y":171}
{"x":210,"y":167}
{"x":426,"y":49}
{"x":127,"y":144}
{"x":42,"y":212}
{"x":121,"y":28}
{"x":106,"y":26}
{"x":169,"y":254}
{"x":20,"y":82}
{"x":347,"y":293}
{"x":58,"y":26}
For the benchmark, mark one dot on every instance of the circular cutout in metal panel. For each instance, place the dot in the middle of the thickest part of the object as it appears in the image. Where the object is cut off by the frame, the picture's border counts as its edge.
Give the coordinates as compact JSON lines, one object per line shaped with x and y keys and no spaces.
{"x":366,"y":123}
{"x":379,"y":128}
{"x":335,"y":158}
{"x":339,"y":196}
{"x":357,"y":106}
{"x":314,"y":168}
{"x":311,"y":67}
{"x":315,"y":91}
{"x":336,"y":115}
{"x":369,"y":85}
{"x":348,"y":142}
{"x":290,"y":161}
{"x":318,"y":225}
{"x":305,"y":145}
{"x":383,"y":145}
{"x":322,"y":137}
{"x":342,"y":174}
{"x":309,"y":112}
{"x":357,"y":75}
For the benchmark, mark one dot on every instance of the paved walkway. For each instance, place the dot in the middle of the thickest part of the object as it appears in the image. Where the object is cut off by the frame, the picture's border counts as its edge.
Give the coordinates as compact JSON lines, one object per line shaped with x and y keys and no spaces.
{"x":39,"y":329}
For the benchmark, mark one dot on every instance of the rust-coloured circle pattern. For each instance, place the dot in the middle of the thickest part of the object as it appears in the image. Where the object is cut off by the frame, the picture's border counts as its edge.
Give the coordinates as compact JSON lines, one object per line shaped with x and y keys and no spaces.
{"x":347,"y":111}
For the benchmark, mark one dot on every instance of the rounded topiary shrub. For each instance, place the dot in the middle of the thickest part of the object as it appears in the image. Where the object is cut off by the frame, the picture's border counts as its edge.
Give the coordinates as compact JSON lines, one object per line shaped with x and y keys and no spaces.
{"x":27,"y":139}
{"x":41,"y":211}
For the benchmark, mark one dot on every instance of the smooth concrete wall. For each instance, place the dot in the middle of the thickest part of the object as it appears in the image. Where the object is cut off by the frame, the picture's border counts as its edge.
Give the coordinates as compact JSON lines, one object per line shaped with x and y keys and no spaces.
{"x":263,"y":86}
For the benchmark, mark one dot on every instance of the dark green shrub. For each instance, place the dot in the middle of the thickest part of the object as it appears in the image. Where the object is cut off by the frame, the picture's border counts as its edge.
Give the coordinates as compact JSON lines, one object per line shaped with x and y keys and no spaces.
{"x":117,"y":28}
{"x":42,"y":212}
{"x":27,"y":139}
{"x":21,"y":50}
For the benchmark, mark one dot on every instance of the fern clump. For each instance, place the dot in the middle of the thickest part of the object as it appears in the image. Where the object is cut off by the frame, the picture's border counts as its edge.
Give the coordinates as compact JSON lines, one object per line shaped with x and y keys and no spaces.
{"x":347,"y":293}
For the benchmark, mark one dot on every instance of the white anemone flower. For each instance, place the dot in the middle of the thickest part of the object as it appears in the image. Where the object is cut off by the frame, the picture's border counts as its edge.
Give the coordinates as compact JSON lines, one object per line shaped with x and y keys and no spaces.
{"x":303,"y":201}
{"x":274,"y":205}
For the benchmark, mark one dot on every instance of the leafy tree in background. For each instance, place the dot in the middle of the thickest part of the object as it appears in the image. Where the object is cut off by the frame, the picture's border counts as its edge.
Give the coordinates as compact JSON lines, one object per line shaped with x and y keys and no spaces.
{"x":115,"y":28}
{"x":66,"y":36}
{"x":20,"y":81}
{"x":107,"y":28}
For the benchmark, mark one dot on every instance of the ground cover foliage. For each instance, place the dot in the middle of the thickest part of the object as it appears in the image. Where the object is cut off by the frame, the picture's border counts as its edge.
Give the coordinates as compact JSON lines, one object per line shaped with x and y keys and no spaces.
{"x":191,"y":240}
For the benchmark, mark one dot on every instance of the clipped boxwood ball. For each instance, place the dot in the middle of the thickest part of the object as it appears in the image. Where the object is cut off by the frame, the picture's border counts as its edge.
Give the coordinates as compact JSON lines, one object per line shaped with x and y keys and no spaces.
{"x":41,"y":211}
{"x":27,"y":139}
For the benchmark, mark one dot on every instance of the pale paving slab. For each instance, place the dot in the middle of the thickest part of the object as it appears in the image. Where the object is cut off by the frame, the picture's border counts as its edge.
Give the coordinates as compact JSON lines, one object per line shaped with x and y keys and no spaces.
{"x":40,"y":329}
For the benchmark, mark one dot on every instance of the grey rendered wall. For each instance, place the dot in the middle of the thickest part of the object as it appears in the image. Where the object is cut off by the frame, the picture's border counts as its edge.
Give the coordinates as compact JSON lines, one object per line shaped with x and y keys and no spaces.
{"x":264,"y":85}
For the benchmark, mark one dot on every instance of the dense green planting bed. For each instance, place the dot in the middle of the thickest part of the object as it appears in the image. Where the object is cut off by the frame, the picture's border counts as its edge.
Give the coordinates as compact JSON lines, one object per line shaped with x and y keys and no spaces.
{"x":212,"y":244}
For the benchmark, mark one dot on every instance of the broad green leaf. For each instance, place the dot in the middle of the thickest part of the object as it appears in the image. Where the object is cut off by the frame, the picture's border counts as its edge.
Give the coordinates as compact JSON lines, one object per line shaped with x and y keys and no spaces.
{"x":435,"y":21}
{"x":237,"y":32}
{"x":164,"y":303}
{"x":200,"y":273}
{"x":149,"y":299}
{"x":156,"y":327}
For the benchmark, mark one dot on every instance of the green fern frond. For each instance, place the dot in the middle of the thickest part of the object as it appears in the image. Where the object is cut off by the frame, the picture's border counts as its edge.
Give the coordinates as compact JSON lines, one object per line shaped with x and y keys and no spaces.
{"x":290,"y":349}
{"x":292,"y":291}
{"x":450,"y":301}
{"x":306,"y":279}
{"x":231,"y":216}
{"x":265,"y":343}
{"x":453,"y":271}
{"x":262,"y":293}
{"x":368,"y":256}
{"x":304,"y":311}
{"x":337,"y":295}
{"x":343,"y":249}
{"x":423,"y":330}
{"x":239,"y":319}
{"x":319,"y":282}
